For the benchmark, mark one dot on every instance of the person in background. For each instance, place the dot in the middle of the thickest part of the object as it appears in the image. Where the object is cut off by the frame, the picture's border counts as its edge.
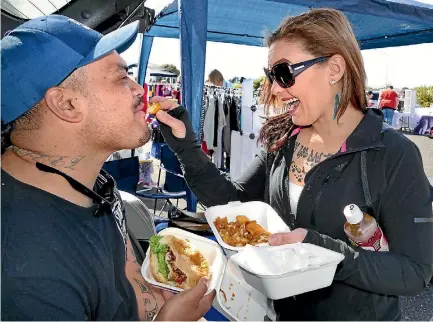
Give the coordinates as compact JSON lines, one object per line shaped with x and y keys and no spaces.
{"x":216,"y":78}
{"x":177,"y":93}
{"x":370,"y":102}
{"x":166,"y":88}
{"x":388,"y":103}
{"x":323,"y":151}
{"x":66,"y":252}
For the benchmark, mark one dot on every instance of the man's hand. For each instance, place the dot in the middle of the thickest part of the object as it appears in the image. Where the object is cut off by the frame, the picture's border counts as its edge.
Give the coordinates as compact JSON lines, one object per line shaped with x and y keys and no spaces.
{"x":177,"y":127}
{"x":296,"y":236}
{"x":189,"y":305}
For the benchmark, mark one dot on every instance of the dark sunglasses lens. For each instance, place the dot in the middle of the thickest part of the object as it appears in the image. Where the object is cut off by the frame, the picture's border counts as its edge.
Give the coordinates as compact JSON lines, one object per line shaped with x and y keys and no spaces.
{"x":283,"y":75}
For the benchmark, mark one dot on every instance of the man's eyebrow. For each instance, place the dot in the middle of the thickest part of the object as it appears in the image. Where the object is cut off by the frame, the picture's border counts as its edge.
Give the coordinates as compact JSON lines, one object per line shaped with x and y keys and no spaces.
{"x":121,"y":68}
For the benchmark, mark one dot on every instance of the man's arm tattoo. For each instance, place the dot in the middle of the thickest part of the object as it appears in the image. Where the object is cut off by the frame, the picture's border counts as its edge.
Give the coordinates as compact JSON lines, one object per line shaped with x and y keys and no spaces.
{"x":150,"y":311}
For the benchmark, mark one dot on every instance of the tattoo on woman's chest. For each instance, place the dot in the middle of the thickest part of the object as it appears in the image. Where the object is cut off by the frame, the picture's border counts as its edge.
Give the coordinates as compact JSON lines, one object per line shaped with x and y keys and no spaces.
{"x":304,"y":159}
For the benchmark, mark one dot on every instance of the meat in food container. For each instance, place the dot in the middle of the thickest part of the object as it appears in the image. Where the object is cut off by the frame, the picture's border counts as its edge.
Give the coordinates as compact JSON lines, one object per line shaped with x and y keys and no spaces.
{"x":261,"y":212}
{"x":288,"y":270}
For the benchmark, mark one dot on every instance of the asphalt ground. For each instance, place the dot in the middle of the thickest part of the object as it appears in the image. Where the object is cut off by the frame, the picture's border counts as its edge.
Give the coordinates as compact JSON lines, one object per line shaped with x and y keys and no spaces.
{"x":420,"y":307}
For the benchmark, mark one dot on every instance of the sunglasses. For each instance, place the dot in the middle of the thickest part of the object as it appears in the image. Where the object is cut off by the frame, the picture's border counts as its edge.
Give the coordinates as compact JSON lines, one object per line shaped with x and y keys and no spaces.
{"x":284,"y":73}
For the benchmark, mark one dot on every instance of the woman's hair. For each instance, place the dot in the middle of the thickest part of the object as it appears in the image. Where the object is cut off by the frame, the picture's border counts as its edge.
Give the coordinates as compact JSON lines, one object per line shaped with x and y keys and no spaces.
{"x":321,"y":32}
{"x":215,"y":77}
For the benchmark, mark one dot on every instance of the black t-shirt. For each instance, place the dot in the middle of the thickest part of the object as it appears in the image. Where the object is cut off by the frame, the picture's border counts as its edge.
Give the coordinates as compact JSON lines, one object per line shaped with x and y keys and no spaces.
{"x":59,"y":261}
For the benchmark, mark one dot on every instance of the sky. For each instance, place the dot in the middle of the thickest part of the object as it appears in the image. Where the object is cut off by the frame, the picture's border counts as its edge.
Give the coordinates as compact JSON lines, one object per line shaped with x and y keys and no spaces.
{"x":407,"y":66}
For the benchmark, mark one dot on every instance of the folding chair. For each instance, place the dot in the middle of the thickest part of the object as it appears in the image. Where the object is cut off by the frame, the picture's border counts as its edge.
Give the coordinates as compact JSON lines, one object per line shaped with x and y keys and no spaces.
{"x":174,"y":187}
{"x":125,"y":172}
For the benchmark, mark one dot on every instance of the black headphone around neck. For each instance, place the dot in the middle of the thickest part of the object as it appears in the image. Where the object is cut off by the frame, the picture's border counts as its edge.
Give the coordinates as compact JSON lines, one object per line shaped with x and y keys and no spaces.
{"x":104,"y":186}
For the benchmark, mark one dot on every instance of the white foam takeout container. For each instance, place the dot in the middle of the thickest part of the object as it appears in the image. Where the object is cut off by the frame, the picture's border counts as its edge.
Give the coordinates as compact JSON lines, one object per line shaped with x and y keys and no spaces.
{"x":264,"y":214}
{"x":238,"y":300}
{"x":276,"y":280}
{"x":235,"y":298}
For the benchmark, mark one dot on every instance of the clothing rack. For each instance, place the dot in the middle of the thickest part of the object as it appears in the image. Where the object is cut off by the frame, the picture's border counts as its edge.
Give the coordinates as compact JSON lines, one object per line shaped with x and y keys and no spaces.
{"x":219,"y":101}
{"x":222,"y":90}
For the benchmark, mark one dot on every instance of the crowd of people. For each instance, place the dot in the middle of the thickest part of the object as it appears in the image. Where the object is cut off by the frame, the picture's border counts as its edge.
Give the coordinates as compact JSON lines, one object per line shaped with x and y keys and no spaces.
{"x":66,"y":253}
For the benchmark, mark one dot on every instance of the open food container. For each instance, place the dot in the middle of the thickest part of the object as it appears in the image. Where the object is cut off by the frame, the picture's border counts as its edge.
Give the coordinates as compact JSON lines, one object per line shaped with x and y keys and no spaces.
{"x":261,"y":212}
{"x":235,"y":298}
{"x":288,"y":270}
{"x":211,"y":250}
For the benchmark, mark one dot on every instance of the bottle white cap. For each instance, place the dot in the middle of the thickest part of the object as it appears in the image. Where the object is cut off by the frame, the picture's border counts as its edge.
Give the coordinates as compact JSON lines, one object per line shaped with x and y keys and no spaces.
{"x":353,"y":214}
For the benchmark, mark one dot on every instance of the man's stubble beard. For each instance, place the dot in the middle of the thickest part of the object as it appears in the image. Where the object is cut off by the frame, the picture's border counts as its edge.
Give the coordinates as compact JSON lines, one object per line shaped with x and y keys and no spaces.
{"x":143,"y":140}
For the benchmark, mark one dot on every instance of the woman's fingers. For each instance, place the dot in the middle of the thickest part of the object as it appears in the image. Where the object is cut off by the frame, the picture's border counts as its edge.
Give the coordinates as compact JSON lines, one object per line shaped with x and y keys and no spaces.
{"x":166,"y":103}
{"x":177,"y":126}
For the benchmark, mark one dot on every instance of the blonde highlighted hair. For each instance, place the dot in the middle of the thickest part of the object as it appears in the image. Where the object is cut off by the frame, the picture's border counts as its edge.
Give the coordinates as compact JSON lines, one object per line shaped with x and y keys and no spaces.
{"x":321,"y":32}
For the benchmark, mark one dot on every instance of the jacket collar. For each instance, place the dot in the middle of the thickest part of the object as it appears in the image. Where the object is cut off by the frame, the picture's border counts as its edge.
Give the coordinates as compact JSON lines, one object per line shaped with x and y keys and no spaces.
{"x":368,"y":133}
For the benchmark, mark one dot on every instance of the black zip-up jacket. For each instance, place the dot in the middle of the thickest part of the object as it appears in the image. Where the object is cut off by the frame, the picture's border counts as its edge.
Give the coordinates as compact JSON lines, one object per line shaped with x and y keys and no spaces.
{"x":382,"y":172}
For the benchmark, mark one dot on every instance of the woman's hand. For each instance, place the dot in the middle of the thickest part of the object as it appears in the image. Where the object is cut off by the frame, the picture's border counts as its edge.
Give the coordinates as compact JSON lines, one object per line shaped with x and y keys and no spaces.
{"x":296,"y":236}
{"x":177,"y":127}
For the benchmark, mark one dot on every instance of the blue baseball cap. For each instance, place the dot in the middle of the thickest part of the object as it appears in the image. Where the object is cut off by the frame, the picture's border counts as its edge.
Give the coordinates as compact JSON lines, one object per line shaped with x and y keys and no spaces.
{"x":42,"y":52}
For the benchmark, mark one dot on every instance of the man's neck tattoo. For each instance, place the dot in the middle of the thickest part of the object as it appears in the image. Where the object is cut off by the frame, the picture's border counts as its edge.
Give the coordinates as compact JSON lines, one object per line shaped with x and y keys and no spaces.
{"x":56,"y":161}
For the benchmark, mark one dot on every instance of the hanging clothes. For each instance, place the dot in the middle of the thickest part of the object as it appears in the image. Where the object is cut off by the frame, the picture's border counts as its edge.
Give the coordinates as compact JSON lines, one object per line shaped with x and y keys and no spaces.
{"x":209,"y":123}
{"x":227,"y":128}
{"x":221,"y":125}
{"x":219,"y":116}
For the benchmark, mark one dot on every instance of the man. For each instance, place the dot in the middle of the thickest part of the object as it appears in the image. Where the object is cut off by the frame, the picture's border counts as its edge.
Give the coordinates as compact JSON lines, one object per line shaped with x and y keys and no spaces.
{"x":67,"y":104}
{"x":388,"y":103}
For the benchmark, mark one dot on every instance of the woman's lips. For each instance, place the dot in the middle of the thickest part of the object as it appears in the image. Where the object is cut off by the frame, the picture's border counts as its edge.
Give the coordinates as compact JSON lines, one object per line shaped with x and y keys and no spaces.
{"x":291,"y":108}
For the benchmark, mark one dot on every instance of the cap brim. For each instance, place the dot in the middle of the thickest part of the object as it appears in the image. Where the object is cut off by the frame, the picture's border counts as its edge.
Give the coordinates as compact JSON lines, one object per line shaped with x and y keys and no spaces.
{"x":119,"y":40}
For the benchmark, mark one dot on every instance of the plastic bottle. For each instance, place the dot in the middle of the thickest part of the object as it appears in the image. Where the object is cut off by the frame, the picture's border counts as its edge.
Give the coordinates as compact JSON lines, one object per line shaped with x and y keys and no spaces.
{"x":363,"y":230}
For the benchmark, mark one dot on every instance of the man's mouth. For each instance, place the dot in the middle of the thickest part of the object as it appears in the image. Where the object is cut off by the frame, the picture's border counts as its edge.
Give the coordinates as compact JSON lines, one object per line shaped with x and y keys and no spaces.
{"x":139,"y":108}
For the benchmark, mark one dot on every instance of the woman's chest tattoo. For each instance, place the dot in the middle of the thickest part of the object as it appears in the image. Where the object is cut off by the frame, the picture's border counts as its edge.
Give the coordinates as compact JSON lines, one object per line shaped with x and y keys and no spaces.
{"x":304,"y":159}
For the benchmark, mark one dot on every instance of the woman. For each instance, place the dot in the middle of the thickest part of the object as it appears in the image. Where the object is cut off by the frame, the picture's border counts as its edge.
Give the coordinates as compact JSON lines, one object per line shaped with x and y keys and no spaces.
{"x":217,"y":79}
{"x":326,"y":150}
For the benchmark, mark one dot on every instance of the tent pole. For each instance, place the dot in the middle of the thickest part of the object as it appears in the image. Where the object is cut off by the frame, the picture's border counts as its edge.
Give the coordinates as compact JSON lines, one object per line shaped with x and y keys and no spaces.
{"x":193,"y":35}
{"x":146,"y":47}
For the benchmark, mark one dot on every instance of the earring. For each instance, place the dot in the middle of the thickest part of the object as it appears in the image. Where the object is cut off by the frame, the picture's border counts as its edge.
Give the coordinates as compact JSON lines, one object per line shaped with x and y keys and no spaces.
{"x":332,"y":82}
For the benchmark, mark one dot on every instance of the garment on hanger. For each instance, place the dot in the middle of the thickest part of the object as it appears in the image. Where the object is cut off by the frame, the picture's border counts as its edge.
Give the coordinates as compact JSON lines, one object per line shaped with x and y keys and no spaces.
{"x":227,"y":128}
{"x":221,"y":125}
{"x":244,"y":148}
{"x":209,"y":123}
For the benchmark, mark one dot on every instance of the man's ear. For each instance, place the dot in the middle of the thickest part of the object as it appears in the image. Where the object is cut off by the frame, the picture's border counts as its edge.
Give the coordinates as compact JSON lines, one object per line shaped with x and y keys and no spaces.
{"x":64,"y":103}
{"x":337,"y":67}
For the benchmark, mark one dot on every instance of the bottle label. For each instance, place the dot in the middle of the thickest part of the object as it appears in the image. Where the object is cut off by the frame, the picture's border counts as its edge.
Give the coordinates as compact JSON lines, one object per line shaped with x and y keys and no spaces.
{"x":377,"y":242}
